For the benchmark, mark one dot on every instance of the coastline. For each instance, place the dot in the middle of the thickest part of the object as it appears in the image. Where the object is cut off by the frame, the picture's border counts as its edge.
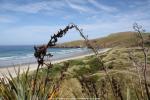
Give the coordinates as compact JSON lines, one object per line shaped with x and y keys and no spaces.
{"x":33,"y":66}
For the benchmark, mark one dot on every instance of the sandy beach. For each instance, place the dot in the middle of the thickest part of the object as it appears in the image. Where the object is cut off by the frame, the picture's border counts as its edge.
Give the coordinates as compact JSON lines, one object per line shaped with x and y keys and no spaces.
{"x":32,"y":67}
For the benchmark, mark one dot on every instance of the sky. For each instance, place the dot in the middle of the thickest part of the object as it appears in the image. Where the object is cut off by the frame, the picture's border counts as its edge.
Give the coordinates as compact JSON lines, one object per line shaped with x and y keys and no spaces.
{"x":31,"y":22}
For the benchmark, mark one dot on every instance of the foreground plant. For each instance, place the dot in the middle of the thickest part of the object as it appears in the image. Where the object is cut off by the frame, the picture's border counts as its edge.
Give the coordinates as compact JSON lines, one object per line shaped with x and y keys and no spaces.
{"x":23,"y":87}
{"x":141,"y":66}
{"x":34,"y":88}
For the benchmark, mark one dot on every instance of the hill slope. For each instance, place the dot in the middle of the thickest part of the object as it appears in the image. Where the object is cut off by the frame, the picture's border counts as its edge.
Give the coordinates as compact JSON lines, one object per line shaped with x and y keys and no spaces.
{"x":121,"y":39}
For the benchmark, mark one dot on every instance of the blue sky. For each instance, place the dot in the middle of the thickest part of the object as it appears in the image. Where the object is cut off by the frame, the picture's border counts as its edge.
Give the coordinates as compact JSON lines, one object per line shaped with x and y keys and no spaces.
{"x":34,"y":21}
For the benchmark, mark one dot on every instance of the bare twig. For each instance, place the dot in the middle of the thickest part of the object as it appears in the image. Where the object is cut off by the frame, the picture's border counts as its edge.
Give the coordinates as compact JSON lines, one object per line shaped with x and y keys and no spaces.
{"x":137,"y":66}
{"x":89,"y":45}
{"x":139,"y":31}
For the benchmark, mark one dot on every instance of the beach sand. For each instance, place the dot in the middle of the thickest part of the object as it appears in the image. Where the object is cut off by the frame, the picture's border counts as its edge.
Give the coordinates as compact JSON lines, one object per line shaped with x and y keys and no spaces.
{"x":13,"y":70}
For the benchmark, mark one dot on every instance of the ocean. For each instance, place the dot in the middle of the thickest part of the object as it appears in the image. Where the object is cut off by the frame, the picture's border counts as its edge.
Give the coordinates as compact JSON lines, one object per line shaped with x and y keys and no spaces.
{"x":14,"y":55}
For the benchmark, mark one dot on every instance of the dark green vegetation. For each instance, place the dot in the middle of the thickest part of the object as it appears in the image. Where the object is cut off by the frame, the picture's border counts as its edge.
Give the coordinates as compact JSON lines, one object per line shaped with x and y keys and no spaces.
{"x":122,"y":39}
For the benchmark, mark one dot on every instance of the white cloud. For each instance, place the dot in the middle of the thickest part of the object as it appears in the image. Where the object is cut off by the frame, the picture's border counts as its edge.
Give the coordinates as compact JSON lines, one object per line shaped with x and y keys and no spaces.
{"x":57,"y":7}
{"x":80,"y":6}
{"x":41,"y":33}
{"x":121,"y":23}
{"x":102,"y":6}
{"x":33,"y":7}
{"x":83,"y":6}
{"x":96,"y":21}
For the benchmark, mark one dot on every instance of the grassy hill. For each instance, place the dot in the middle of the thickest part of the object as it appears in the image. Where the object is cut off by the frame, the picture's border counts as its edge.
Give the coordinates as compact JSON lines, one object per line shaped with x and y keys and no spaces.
{"x":121,"y":39}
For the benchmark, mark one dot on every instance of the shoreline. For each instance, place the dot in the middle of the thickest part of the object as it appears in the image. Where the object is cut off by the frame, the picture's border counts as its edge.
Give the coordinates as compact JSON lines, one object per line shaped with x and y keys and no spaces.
{"x":33,"y":66}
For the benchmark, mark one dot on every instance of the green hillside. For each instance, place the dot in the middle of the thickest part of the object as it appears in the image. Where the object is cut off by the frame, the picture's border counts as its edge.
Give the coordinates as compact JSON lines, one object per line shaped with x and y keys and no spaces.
{"x":121,"y":39}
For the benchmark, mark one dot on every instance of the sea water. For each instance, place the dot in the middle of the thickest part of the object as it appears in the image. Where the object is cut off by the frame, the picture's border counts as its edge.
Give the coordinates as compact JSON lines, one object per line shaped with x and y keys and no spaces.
{"x":24,"y":54}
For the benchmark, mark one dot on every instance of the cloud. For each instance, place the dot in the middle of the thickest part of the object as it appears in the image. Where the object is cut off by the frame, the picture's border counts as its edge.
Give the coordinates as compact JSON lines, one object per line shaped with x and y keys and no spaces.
{"x":85,"y":6}
{"x":96,"y":20}
{"x":102,"y":6}
{"x":80,"y":6}
{"x":121,"y":23}
{"x":39,"y":34}
{"x":55,"y":6}
{"x":33,"y":7}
